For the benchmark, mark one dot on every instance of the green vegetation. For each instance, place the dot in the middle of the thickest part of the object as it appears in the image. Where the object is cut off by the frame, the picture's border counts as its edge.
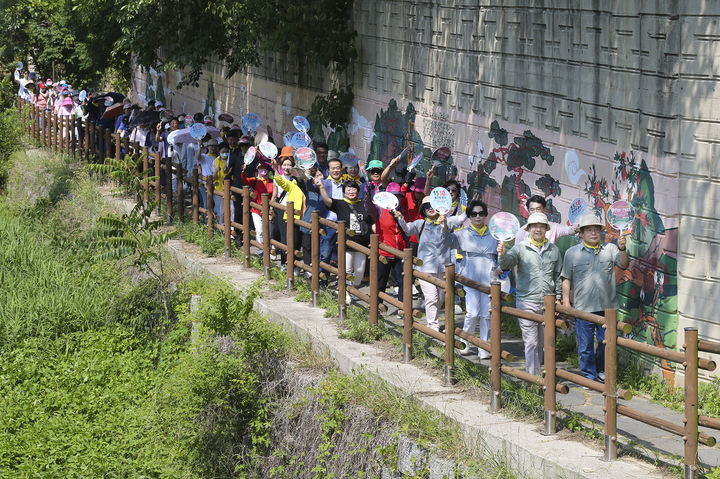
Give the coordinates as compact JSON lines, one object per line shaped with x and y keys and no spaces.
{"x":92,"y":41}
{"x":10,"y":135}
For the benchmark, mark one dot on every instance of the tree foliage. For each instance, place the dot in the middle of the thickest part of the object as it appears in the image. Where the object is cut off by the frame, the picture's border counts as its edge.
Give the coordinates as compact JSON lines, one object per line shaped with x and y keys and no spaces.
{"x":86,"y":39}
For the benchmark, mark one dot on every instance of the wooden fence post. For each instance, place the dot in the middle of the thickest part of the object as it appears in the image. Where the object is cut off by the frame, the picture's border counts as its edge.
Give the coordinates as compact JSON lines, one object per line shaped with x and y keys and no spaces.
{"x":210,"y":203}
{"x":449,"y":323}
{"x":73,"y":138}
{"x":290,"y":240}
{"x":315,"y":256}
{"x":691,"y":402}
{"x":374,"y":260}
{"x":265,"y":210}
{"x":549,"y":360}
{"x":407,"y":304}
{"x":146,"y":175}
{"x":158,"y":191}
{"x":342,"y":268}
{"x":108,"y":144}
{"x":180,"y":175}
{"x":227,"y":217}
{"x":118,"y":147}
{"x":246,"y":224}
{"x":195,"y":194}
{"x":168,"y":189}
{"x":610,"y":384}
{"x":495,"y":347}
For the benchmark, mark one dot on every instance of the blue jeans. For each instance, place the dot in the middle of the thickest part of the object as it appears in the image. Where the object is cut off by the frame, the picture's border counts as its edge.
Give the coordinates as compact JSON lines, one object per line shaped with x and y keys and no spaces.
{"x":592,"y":359}
{"x":328,"y":244}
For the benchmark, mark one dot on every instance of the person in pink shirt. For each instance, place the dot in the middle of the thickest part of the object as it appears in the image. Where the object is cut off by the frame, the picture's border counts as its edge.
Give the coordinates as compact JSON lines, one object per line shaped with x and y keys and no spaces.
{"x":537,"y":204}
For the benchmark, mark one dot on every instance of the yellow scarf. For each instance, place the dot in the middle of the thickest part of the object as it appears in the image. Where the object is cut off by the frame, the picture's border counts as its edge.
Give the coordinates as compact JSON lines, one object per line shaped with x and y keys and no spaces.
{"x":480,"y":231}
{"x":538,"y":244}
{"x":595,"y":249}
{"x":352,"y":202}
{"x":433,"y":222}
{"x":337,"y":182}
{"x":356,"y":179}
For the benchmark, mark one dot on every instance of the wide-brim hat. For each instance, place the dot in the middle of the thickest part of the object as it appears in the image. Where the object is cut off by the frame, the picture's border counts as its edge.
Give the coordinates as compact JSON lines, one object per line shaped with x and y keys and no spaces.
{"x":425,"y":201}
{"x":419,"y":185}
{"x":536,"y":218}
{"x":591,"y":219}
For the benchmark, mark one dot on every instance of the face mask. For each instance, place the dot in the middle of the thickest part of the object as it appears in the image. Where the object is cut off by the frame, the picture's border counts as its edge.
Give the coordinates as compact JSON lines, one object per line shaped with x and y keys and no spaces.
{"x":224,"y":156}
{"x":262,"y":173}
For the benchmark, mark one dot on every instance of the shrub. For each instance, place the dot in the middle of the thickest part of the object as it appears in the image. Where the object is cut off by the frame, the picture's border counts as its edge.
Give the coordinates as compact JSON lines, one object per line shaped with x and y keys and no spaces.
{"x":10,"y":136}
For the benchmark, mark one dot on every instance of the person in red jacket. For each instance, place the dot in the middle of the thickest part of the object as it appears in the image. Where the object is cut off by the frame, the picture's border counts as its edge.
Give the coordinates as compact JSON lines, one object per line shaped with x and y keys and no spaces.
{"x":390,"y":234}
{"x":413,"y":195}
{"x":260,"y":184}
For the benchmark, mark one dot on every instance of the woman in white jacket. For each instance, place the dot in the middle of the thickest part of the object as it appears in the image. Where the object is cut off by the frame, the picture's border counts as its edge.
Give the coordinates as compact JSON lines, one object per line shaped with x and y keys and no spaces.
{"x":479,"y":262}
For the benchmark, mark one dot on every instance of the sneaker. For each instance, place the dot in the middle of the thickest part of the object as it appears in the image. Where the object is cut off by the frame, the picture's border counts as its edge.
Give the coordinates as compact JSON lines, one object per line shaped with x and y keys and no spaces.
{"x":482,"y":354}
{"x":348,"y":298}
{"x":601,"y":377}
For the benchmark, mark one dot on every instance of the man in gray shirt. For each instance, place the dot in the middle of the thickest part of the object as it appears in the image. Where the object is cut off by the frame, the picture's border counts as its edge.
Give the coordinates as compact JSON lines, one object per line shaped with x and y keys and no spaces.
{"x":589,"y":272}
{"x":539,"y":264}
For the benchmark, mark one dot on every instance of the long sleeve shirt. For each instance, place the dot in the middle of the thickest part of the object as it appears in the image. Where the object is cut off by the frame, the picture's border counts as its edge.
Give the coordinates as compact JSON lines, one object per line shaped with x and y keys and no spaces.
{"x":479,"y":253}
{"x":538,"y":270}
{"x":433,"y":244}
{"x":294,"y":194}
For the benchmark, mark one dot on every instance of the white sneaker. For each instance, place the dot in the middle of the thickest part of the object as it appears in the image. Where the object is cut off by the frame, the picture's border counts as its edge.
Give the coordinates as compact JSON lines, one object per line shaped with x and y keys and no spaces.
{"x":348,"y":298}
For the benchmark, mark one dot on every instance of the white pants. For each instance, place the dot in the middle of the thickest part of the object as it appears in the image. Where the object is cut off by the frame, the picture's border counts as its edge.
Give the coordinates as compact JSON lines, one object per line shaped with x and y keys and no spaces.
{"x":532,"y":334}
{"x":477,"y":305}
{"x":257,"y":221}
{"x":433,"y":296}
{"x":355,"y":265}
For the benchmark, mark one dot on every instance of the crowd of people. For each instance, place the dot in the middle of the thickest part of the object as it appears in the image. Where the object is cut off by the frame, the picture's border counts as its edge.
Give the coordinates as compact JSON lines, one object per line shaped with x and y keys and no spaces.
{"x":340,"y":190}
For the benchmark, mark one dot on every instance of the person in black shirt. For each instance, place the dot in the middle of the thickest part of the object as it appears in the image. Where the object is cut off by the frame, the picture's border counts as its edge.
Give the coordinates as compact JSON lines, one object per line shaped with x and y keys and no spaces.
{"x":351,"y":210}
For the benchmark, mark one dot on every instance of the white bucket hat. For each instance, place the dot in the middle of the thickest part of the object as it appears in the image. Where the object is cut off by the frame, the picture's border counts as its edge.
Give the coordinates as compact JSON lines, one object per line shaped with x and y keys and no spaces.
{"x":536,"y":218}
{"x":591,"y":219}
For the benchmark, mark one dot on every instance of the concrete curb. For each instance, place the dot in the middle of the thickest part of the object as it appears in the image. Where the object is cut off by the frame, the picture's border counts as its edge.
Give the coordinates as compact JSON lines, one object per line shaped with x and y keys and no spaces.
{"x":528,"y":453}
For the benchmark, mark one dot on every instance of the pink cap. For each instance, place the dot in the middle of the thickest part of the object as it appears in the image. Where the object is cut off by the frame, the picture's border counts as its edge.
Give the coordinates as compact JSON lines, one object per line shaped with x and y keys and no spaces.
{"x":67,"y":101}
{"x":393,"y":188}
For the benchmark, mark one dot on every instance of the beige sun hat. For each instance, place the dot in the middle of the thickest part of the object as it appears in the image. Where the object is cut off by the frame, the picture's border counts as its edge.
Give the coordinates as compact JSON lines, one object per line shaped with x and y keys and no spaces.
{"x":535,"y":218}
{"x":591,"y":219}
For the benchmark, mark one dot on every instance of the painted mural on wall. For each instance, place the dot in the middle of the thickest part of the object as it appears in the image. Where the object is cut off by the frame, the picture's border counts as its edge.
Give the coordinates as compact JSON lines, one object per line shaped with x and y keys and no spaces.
{"x":393,"y":131}
{"x":519,"y":156}
{"x":648,"y":288}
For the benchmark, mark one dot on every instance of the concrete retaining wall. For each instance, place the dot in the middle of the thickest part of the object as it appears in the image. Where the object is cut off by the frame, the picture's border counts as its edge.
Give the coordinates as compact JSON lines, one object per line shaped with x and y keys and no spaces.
{"x":596,"y":100}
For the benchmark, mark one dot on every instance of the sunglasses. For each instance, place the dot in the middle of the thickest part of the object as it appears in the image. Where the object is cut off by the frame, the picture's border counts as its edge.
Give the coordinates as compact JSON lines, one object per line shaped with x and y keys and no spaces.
{"x":376,"y":172}
{"x":473,"y":214}
{"x":452,"y":190}
{"x":427,"y":206}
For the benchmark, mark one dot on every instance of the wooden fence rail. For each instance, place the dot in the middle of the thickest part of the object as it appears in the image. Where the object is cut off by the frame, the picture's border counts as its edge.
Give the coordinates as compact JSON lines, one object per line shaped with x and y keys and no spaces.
{"x":82,"y":140}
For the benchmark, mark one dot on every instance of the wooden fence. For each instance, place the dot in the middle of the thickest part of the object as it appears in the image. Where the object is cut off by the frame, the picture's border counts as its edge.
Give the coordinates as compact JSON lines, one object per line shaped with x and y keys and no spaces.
{"x":68,"y":136}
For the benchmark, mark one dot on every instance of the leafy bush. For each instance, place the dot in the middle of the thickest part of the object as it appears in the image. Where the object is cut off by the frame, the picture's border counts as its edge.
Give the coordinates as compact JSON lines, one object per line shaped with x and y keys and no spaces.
{"x":10,"y":136}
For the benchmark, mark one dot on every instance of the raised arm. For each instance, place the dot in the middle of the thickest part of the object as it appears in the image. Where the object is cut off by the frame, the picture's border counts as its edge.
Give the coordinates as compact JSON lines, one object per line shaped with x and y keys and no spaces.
{"x":428,"y":178}
{"x":385,"y":177}
{"x":326,"y":199}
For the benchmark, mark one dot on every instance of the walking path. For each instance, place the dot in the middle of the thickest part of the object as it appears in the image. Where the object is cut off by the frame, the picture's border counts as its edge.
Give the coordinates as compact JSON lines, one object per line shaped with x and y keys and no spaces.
{"x":529,"y":451}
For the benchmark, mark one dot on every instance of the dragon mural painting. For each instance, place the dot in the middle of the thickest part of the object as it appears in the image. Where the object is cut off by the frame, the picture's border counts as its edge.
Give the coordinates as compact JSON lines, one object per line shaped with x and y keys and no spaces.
{"x":648,"y":288}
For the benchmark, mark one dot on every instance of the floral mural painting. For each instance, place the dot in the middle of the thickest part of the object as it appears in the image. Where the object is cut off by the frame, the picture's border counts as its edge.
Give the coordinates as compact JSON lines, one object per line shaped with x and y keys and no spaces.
{"x":648,"y":288}
{"x":518,"y":156}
